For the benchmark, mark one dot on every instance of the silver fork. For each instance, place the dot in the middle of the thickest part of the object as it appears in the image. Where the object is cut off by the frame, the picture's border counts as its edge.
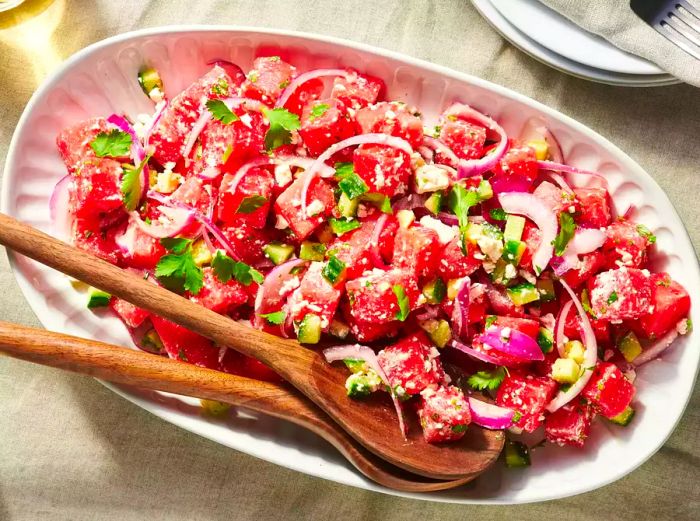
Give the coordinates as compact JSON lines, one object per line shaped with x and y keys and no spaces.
{"x":677,"y":20}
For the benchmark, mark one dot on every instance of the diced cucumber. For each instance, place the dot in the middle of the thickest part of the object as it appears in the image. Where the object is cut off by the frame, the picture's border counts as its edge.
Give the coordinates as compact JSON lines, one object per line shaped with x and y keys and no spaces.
{"x":489,"y":230}
{"x":515,"y":225}
{"x":439,"y":332}
{"x":540,"y":147}
{"x":498,"y":275}
{"x":434,"y":202}
{"x":334,"y":270}
{"x":152,"y":342}
{"x":355,"y":366}
{"x":484,"y":190}
{"x":624,"y":418}
{"x":149,"y":79}
{"x":575,"y":350}
{"x":201,"y":253}
{"x":214,"y":408}
{"x":513,"y":251}
{"x":310,"y":329}
{"x":523,"y":294}
{"x":629,"y":346}
{"x":517,"y":454}
{"x":545,"y":287}
{"x":278,"y":252}
{"x":545,"y":339}
{"x":346,"y":206}
{"x":312,"y":251}
{"x":473,"y":232}
{"x":362,"y":384}
{"x":435,"y":291}
{"x":565,"y":371}
{"x":405,"y":218}
{"x":98,"y":298}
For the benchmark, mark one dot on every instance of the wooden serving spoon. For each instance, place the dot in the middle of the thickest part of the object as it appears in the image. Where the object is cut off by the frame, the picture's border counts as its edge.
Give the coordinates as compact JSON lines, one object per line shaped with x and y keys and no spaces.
{"x":140,"y":369}
{"x":370,"y":422}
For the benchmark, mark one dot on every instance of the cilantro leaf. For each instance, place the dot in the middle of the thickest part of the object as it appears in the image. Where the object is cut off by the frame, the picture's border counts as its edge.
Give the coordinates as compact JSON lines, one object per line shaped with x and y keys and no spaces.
{"x":219,"y":110}
{"x":333,"y":270}
{"x":646,"y":233}
{"x":275,"y":318}
{"x":402,"y":300}
{"x":460,"y":201}
{"x":251,"y":203}
{"x":483,"y":380}
{"x":613,"y":297}
{"x":498,"y":214}
{"x":282,"y":124}
{"x":567,"y":228}
{"x":386,"y":206}
{"x":116,"y":143}
{"x":131,"y":184}
{"x":225,"y":269}
{"x":318,"y":110}
{"x":353,"y":186}
{"x":343,"y":225}
{"x":180,"y":271}
{"x":176,"y":244}
{"x":343,"y":170}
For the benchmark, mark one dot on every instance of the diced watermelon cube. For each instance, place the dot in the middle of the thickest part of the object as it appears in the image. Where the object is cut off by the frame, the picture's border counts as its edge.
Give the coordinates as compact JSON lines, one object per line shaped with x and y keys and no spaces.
{"x":258,"y":182}
{"x":97,"y":188}
{"x":225,"y":148}
{"x":392,"y":118}
{"x":248,"y":242}
{"x":74,"y":142}
{"x":573,"y":331}
{"x":411,"y":365}
{"x":517,"y":171}
{"x":372,"y":297}
{"x":182,"y":344}
{"x":444,"y":414}
{"x":384,"y":169}
{"x":453,"y":263}
{"x":589,"y":265}
{"x":323,"y":124}
{"x":569,"y":425}
{"x":217,"y":296}
{"x":608,"y":390}
{"x":670,"y":303}
{"x":593,"y":207}
{"x":175,"y":125}
{"x":268,"y":78}
{"x":524,"y":325}
{"x":319,"y":204}
{"x":304,"y":95}
{"x":417,"y":250}
{"x":528,"y":395}
{"x":314,"y":295}
{"x":554,"y":197}
{"x":500,"y":303}
{"x":131,"y":315}
{"x":141,"y":250}
{"x":621,"y":294}
{"x":368,"y":331}
{"x":465,"y":139}
{"x":101,"y":243}
{"x":624,"y":245}
{"x":353,"y":248}
{"x":357,"y":91}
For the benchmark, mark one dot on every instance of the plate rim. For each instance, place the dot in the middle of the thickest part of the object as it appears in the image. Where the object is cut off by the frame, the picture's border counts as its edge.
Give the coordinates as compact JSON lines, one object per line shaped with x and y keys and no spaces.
{"x":47,"y":84}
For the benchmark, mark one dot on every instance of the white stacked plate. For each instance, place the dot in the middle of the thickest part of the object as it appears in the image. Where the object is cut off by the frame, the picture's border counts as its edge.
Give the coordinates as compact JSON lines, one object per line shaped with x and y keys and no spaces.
{"x":552,"y":39}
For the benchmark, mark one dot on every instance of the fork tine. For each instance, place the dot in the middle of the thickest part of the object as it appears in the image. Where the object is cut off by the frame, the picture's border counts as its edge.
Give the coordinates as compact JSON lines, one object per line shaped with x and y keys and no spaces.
{"x":677,"y":37}
{"x":689,"y":7}
{"x":679,"y":25}
{"x":689,"y":18}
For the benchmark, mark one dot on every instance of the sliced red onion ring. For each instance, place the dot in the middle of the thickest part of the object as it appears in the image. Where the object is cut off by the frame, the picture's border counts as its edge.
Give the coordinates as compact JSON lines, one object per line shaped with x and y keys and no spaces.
{"x":448,"y":218}
{"x":298,"y":161}
{"x":512,"y":342}
{"x":490,"y":416}
{"x":560,"y":181}
{"x":438,"y":146}
{"x":426,"y":153}
{"x":536,"y":129}
{"x":544,"y":218}
{"x":138,"y":154}
{"x":567,"y":169}
{"x":62,"y":217}
{"x":460,"y":311}
{"x":364,"y":353}
{"x":307,"y":76}
{"x":197,"y":128}
{"x":410,"y":202}
{"x":272,"y":292}
{"x":472,"y":167}
{"x":160,"y":110}
{"x":362,"y":139}
{"x":478,"y":355}
{"x":234,"y":71}
{"x":126,"y":240}
{"x":655,"y":350}
{"x":177,"y":219}
{"x":561,"y":324}
{"x":590,"y":356}
{"x":585,"y":240}
{"x":374,"y":252}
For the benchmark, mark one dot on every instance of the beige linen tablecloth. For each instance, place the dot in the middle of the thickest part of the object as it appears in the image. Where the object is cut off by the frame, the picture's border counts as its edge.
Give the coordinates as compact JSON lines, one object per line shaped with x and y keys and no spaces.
{"x":71,"y":449}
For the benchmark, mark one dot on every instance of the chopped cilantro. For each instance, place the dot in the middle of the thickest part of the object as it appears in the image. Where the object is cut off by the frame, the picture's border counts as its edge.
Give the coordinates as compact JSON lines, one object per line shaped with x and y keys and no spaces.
{"x":175,"y":244}
{"x":402,"y":300}
{"x":483,"y":380}
{"x":613,"y":297}
{"x":220,"y":88}
{"x":251,"y":203}
{"x":343,"y":225}
{"x":275,"y":318}
{"x":318,"y":110}
{"x":116,"y":143}
{"x":353,"y":186}
{"x":178,"y":270}
{"x":343,"y":170}
{"x":219,"y":110}
{"x":225,"y":268}
{"x":460,"y":201}
{"x":646,"y":233}
{"x":282,"y":124}
{"x":459,"y":428}
{"x":490,"y":319}
{"x":586,"y":303}
{"x":131,"y":184}
{"x":333,"y":270}
{"x":498,"y":214}
{"x":567,"y":228}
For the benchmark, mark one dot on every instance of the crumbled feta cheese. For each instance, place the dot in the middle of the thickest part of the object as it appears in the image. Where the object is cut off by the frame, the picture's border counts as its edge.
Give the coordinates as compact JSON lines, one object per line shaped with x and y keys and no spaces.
{"x":289,"y":285}
{"x":379,"y":179}
{"x":315,"y":208}
{"x":247,"y":120}
{"x":430,"y":178}
{"x":445,"y":233}
{"x":492,"y":248}
{"x":156,"y":95}
{"x":510,"y":271}
{"x":283,"y":174}
{"x":528,"y":276}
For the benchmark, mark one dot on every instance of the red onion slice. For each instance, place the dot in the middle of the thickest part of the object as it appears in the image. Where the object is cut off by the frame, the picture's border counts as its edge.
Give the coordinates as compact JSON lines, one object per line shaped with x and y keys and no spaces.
{"x":472,"y":167}
{"x":460,"y":311}
{"x":298,"y":161}
{"x":478,"y":355}
{"x":490,"y":416}
{"x":560,"y":181}
{"x":545,"y":219}
{"x":160,"y":110}
{"x":438,"y":146}
{"x":62,"y":217}
{"x":362,"y":139}
{"x":374,"y":252}
{"x":561,"y":324}
{"x":172,"y":222}
{"x":197,"y":128}
{"x":567,"y":169}
{"x":536,"y":129}
{"x":364,"y":353}
{"x":271,"y":293}
{"x":512,"y":342}
{"x":585,"y":240}
{"x":655,"y":350}
{"x":590,"y":356}
{"x":307,"y":76}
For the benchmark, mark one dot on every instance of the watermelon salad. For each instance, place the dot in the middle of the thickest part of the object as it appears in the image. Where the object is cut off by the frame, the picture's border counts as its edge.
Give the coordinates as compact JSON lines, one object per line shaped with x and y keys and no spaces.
{"x":472,"y":275}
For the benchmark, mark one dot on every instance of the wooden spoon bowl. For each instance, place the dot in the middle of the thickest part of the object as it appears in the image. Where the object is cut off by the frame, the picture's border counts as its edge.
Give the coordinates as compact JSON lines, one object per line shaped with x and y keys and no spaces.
{"x":372,"y":423}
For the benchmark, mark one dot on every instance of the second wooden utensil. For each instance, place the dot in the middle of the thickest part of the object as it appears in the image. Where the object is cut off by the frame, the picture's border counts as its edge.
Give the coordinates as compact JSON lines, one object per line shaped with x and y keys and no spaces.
{"x":371,"y":422}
